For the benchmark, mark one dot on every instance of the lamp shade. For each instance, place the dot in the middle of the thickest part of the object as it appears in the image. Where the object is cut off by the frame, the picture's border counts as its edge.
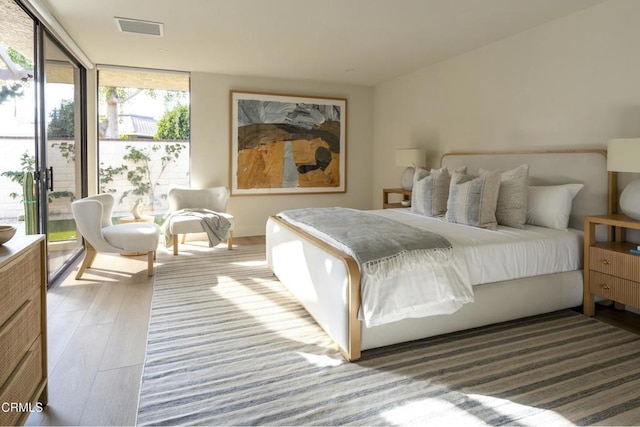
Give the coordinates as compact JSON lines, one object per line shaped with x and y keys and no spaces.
{"x":623,"y":155}
{"x":411,"y":157}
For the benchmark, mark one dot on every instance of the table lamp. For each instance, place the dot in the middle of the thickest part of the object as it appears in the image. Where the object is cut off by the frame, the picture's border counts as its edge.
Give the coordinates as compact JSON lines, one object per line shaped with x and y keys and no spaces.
{"x":623,"y":155}
{"x":411,"y":158}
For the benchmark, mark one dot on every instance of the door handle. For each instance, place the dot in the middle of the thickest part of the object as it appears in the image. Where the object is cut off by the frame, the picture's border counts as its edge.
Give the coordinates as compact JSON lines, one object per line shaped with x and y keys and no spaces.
{"x":50,"y":178}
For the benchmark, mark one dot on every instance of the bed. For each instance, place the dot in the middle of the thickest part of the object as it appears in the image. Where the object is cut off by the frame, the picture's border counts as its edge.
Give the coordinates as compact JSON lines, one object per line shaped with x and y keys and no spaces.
{"x":326,"y":279}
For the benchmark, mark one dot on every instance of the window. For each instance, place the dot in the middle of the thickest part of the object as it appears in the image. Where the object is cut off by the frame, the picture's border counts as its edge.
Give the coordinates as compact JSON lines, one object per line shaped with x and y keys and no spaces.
{"x":144,"y":132}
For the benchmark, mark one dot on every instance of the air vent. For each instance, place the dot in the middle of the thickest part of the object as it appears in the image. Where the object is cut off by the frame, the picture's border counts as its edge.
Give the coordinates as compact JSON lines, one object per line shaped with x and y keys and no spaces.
{"x":127,"y":25}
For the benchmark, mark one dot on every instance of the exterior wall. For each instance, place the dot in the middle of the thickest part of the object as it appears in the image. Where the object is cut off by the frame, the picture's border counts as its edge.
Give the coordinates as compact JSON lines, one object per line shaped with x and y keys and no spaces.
{"x":11,"y":150}
{"x":175,"y":174}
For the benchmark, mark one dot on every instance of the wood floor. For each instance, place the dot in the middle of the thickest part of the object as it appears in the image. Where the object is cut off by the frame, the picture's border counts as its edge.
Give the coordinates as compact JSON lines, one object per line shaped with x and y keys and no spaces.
{"x":97,"y":336}
{"x":620,"y":318}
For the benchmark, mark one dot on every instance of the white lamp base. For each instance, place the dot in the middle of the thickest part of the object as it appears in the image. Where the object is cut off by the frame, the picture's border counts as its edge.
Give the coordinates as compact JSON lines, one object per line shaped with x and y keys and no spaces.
{"x":630,"y":200}
{"x":407,"y":178}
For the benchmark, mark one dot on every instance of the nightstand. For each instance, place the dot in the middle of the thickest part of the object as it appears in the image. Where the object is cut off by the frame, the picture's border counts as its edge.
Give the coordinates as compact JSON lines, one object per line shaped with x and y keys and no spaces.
{"x":406,"y":195}
{"x":610,"y":270}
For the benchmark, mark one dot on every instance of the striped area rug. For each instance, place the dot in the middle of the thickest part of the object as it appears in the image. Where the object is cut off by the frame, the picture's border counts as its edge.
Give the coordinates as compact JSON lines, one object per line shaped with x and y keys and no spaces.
{"x":229,"y":346}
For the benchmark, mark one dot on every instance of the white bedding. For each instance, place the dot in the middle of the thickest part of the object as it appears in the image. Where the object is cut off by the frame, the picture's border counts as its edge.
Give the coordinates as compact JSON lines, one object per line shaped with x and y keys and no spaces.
{"x":479,"y":256}
{"x":504,"y":254}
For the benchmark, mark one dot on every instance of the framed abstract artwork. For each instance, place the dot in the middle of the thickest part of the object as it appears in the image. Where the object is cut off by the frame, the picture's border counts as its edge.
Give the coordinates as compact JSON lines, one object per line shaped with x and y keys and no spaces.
{"x":284,"y":144}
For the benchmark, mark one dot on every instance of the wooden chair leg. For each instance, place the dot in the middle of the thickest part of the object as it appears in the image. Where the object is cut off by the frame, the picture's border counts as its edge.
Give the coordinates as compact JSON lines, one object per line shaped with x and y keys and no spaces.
{"x":150,"y":257}
{"x":230,"y":240}
{"x":184,"y":238}
{"x":89,"y":255}
{"x":94,"y":254}
{"x":175,"y":244}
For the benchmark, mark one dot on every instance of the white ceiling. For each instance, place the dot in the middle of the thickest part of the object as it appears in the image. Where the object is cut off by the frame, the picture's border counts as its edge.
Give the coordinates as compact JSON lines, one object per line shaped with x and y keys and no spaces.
{"x":349,"y":41}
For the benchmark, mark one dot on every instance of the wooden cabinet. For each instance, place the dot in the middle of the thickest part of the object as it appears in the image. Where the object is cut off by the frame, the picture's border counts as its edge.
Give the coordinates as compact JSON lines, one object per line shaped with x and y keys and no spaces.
{"x":610,"y":270}
{"x":23,"y":329}
{"x":406,"y":195}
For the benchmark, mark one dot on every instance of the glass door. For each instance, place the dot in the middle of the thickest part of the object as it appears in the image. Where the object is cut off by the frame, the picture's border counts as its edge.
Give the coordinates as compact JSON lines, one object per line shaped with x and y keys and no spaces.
{"x":17,"y":119}
{"x":42,"y":134}
{"x":61,"y":174}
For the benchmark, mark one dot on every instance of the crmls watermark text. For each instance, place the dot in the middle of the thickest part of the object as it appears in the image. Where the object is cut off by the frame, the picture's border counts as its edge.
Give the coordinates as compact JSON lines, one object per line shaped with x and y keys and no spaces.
{"x":21,"y":407}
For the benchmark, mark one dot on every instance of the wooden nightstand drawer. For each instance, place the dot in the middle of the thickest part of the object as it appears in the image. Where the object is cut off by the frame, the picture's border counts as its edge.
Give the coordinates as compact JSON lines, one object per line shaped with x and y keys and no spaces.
{"x":615,"y":288}
{"x":609,"y":269}
{"x":617,"y":264}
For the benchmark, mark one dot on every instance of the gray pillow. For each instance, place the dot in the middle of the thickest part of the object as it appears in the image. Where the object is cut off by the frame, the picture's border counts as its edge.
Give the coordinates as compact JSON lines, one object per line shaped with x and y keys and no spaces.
{"x":472,"y":200}
{"x":511,"y":209}
{"x":430,"y":191}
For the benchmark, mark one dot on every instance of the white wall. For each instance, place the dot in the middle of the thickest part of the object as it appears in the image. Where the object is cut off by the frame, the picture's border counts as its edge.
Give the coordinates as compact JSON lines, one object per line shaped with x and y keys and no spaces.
{"x":571,"y":83}
{"x":210,"y":140}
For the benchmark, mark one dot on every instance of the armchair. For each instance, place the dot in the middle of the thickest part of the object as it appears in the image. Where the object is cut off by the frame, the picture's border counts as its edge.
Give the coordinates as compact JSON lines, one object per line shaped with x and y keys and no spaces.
{"x":214,"y":199}
{"x":93,"y":221}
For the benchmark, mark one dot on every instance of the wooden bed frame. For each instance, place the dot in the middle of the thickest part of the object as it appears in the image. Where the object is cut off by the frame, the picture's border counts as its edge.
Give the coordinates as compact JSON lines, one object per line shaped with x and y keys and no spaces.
{"x":327,"y":281}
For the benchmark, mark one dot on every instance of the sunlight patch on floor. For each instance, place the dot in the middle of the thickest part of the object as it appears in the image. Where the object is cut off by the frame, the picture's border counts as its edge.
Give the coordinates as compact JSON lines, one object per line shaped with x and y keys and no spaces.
{"x":443,"y":411}
{"x":285,"y":323}
{"x":256,"y":263}
{"x":321,"y":361}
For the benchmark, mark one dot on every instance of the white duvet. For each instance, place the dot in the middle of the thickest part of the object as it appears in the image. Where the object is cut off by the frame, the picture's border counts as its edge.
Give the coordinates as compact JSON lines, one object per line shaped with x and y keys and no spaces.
{"x":479,"y":256}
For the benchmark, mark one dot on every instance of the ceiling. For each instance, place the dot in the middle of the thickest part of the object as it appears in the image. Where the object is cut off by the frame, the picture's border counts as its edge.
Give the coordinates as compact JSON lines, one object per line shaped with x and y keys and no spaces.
{"x":361,"y":42}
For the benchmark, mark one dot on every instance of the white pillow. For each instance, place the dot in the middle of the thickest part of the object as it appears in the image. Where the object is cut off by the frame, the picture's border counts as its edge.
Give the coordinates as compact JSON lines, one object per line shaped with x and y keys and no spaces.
{"x":550,"y":206}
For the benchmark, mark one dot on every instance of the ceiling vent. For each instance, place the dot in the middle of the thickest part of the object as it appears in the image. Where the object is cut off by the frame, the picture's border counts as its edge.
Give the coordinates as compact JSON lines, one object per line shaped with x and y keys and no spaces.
{"x":127,"y":25}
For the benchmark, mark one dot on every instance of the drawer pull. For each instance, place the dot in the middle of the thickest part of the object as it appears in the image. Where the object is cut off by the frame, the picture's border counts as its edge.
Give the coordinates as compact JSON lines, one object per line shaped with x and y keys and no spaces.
{"x":605,"y":286}
{"x":606,"y":261}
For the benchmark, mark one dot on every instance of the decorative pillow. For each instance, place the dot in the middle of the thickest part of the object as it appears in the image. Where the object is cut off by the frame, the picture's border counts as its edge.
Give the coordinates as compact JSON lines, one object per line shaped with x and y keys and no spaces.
{"x":430,"y":191}
{"x":472,"y":200}
{"x":511,"y":209}
{"x":550,"y":206}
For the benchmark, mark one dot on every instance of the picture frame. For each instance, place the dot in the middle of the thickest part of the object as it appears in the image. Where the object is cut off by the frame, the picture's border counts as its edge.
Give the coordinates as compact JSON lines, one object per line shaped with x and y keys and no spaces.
{"x":287,"y":144}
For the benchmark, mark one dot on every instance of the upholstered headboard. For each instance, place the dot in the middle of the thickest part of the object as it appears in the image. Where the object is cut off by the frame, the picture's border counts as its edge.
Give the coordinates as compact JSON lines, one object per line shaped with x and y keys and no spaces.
{"x":588,"y":167}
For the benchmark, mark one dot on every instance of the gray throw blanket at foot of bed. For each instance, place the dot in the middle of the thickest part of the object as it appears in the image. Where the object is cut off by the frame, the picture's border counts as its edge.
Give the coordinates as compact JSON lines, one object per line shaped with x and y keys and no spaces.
{"x":381,"y":246}
{"x":405,"y":271}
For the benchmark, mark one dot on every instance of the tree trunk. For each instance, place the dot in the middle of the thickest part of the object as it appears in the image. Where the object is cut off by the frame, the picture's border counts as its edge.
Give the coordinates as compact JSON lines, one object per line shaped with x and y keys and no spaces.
{"x":112,"y":113}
